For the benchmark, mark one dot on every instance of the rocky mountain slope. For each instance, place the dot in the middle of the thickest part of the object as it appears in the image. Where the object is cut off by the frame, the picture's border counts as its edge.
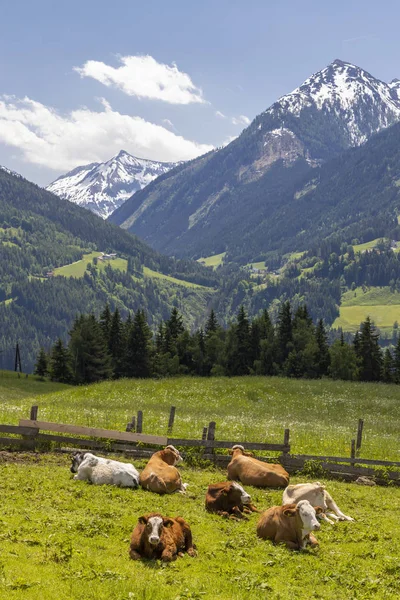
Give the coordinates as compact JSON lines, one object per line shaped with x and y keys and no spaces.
{"x":208,"y":205}
{"x":103,"y":187}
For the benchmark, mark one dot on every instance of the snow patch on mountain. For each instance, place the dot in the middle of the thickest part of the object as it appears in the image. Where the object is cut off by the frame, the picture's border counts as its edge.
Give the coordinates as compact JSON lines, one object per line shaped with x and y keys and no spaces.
{"x":364,"y":104}
{"x":103,"y":187}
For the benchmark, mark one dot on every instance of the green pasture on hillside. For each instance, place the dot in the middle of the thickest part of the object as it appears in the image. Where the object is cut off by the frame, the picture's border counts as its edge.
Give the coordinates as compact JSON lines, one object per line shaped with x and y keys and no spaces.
{"x":69,"y":540}
{"x":78,"y":268}
{"x":213,"y":261}
{"x":322,"y":415}
{"x":370,"y":296}
{"x":383,"y":316}
{"x":155,"y":274}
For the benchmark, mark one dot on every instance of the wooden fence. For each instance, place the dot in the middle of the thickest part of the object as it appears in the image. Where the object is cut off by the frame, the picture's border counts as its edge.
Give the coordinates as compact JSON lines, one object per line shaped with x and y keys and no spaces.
{"x":134,"y":442}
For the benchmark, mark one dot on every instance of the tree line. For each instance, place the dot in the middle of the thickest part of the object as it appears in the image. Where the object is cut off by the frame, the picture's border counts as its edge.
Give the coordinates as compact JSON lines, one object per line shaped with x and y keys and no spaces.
{"x":111,"y":348}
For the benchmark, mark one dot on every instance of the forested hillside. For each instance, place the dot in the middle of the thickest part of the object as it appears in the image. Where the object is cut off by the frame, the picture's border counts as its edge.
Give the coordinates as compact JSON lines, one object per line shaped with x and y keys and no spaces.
{"x":40,"y":232}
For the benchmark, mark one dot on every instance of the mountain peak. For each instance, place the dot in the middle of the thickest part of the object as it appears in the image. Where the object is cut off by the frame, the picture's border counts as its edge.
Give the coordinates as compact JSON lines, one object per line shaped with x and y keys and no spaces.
{"x":103,"y":187}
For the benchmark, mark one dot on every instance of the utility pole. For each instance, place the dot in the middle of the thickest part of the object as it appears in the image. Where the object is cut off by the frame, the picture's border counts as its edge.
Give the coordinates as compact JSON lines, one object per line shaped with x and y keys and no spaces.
{"x":17,"y":365}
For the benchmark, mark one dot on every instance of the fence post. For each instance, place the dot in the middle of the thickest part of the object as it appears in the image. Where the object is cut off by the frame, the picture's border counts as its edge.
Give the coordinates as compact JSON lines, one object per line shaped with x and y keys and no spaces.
{"x":211,"y":436}
{"x":34,"y":413}
{"x":359,"y":433}
{"x":139,"y":421}
{"x":171,"y":419}
{"x":131,"y":425}
{"x":204,"y":434}
{"x":353,"y":449}
{"x":286,"y":440}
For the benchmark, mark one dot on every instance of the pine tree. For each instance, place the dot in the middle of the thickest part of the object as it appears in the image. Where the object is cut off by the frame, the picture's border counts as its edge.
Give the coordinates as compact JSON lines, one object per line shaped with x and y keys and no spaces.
{"x":387,"y":367}
{"x":105,"y":323}
{"x":323,"y":348}
{"x":116,"y":344}
{"x":343,"y":361}
{"x":174,"y":325}
{"x":396,"y":363}
{"x":139,"y":348}
{"x":60,"y":363}
{"x":285,"y":332}
{"x":369,"y":352}
{"x":41,"y":365}
{"x":243,"y":357}
{"x":89,"y":354}
{"x":212,"y":324}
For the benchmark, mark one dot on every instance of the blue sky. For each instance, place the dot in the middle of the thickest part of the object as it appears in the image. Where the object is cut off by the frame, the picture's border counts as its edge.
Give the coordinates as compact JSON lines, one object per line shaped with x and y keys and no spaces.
{"x":75,"y":88}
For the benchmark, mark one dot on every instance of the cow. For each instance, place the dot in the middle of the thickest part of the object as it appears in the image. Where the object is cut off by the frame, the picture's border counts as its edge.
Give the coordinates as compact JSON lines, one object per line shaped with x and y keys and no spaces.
{"x":160,"y":474}
{"x":290,"y":524}
{"x":317,"y":495}
{"x":103,"y":471}
{"x":229,"y":499}
{"x":156,"y":536}
{"x":251,"y":471}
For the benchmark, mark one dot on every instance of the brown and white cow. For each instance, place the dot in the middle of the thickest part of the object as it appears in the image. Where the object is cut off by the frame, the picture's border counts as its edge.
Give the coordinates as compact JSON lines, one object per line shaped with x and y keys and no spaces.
{"x":160,"y":474}
{"x":229,"y":499}
{"x":290,"y":524}
{"x":317,"y":495}
{"x":156,"y":536}
{"x":251,"y":471}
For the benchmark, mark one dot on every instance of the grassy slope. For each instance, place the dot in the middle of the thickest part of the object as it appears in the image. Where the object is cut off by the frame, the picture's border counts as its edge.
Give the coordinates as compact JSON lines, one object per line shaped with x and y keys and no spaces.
{"x":213,"y":261}
{"x":155,"y":274}
{"x":322,"y":415}
{"x":382,"y":305}
{"x":66,"y":539}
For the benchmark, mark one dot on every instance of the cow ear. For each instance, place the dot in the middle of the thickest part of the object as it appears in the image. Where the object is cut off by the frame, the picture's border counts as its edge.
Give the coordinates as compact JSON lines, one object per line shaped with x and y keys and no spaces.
{"x":319,"y":510}
{"x":167,"y":522}
{"x":289,"y":512}
{"x":143,"y":520}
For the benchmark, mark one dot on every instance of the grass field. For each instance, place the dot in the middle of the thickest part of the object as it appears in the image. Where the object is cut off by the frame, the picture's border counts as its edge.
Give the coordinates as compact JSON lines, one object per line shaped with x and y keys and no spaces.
{"x":373,"y":296}
{"x":78,"y":268}
{"x":67,"y":539}
{"x":382,"y":315}
{"x":155,"y":274}
{"x":322,"y":415}
{"x":213,"y":261}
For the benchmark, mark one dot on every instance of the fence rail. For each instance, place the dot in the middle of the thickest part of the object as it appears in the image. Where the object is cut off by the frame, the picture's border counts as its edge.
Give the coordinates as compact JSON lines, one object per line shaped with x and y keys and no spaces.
{"x":32,"y":436}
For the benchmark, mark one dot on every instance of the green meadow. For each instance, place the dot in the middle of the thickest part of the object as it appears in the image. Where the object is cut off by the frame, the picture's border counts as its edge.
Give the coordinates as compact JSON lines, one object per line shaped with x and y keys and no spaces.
{"x":322,"y":415}
{"x":69,"y":540}
{"x":379,"y":303}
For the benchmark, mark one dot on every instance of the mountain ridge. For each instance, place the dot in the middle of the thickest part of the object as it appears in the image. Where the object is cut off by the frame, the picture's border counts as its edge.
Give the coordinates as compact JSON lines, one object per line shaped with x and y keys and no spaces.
{"x":189,"y":212}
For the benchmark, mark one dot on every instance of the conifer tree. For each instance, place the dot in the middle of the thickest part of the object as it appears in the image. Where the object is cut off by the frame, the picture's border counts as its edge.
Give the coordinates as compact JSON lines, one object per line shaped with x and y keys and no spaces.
{"x":89,"y":354}
{"x":116,"y":344}
{"x":139,"y":348}
{"x":323,"y":348}
{"x":285,"y":331}
{"x":41,"y":365}
{"x":396,"y":363}
{"x":369,"y":352}
{"x":212,"y":324}
{"x":387,"y":367}
{"x":175,"y":324}
{"x":105,"y":323}
{"x":60,"y":363}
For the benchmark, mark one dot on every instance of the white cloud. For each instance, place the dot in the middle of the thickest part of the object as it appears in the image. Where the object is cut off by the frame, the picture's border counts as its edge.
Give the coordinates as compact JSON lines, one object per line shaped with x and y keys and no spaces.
{"x":169,"y":123}
{"x":219,"y":114}
{"x":228,"y":140}
{"x":144,"y":77}
{"x":241,"y":120}
{"x":62,"y":142}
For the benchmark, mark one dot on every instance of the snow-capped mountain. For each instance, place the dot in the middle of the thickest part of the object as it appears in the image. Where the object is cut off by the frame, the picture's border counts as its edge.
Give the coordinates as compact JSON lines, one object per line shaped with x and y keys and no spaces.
{"x":10,"y":172}
{"x":339,"y":107}
{"x":216,"y":203}
{"x":103,"y":187}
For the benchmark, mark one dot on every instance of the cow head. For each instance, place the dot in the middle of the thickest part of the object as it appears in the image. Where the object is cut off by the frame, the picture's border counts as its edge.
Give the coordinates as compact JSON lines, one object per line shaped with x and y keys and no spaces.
{"x":154,"y":524}
{"x":77,"y":458}
{"x":245,"y":498}
{"x":306,"y":514}
{"x":238,"y":450}
{"x":171,"y":455}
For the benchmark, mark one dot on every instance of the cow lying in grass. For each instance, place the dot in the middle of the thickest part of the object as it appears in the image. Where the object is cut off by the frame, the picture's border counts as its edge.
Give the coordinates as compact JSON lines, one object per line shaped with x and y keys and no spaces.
{"x":102,"y":471}
{"x":229,"y":499}
{"x":317,"y":495}
{"x":251,"y":471}
{"x":156,"y":536}
{"x":160,"y":474}
{"x":290,"y":524}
